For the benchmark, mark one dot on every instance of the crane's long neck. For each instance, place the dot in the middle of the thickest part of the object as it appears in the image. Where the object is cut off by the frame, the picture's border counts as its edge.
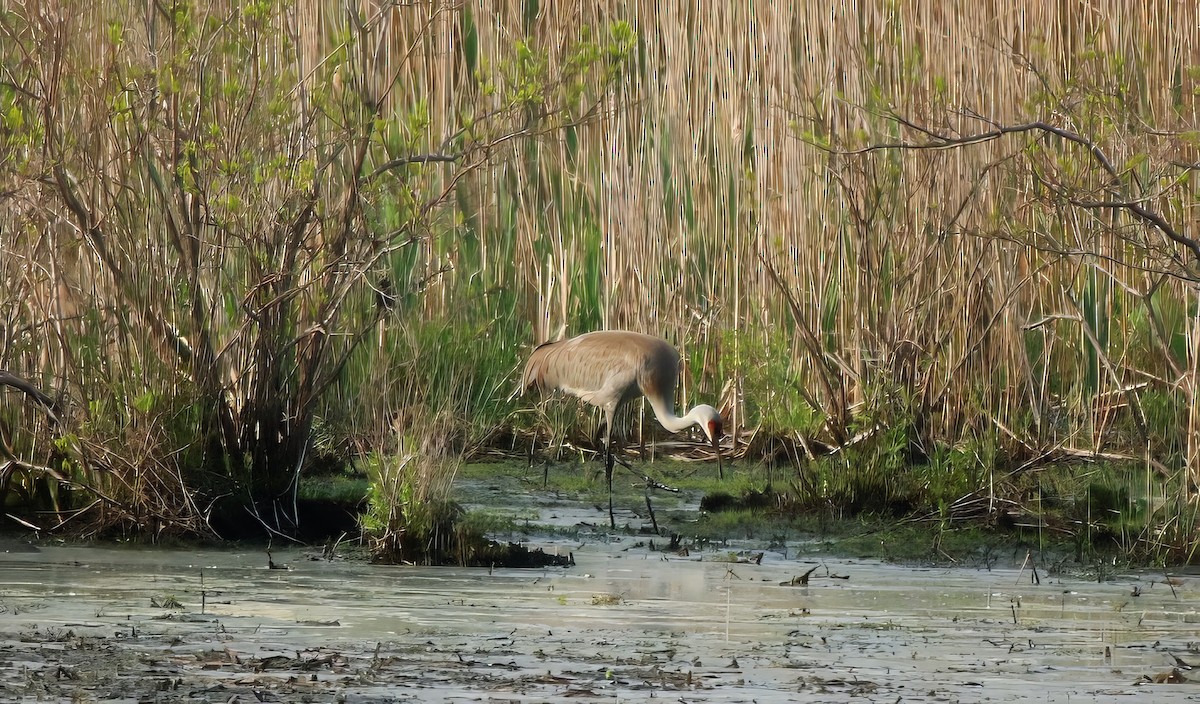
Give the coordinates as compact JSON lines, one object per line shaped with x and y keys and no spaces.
{"x":665,"y":412}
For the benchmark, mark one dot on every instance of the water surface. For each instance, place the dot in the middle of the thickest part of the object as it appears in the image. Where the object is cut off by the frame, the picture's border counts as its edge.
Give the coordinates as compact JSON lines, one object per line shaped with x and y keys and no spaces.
{"x":626,"y":623}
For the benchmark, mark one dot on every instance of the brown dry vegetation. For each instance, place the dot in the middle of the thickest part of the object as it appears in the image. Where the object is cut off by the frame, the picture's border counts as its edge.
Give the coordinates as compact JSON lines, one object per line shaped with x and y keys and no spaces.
{"x":235,"y":235}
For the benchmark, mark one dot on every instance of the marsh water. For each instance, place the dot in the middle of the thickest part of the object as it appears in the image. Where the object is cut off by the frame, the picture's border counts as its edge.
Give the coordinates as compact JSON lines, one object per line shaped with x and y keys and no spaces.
{"x":627,"y":622}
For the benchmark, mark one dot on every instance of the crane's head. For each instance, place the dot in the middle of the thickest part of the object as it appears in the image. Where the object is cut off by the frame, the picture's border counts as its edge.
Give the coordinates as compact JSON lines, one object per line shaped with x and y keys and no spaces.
{"x":710,"y":421}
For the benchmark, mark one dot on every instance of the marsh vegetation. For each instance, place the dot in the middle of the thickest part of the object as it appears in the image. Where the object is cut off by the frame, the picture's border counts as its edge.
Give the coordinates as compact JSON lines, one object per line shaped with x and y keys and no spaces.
{"x":932,"y":263}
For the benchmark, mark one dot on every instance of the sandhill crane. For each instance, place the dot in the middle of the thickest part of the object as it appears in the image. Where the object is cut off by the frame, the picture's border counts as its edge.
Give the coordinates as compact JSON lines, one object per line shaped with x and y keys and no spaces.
{"x":608,"y":369}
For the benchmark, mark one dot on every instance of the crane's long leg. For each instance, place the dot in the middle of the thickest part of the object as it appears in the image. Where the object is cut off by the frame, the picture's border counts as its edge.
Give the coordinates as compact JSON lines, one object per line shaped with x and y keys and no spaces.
{"x":608,"y":465}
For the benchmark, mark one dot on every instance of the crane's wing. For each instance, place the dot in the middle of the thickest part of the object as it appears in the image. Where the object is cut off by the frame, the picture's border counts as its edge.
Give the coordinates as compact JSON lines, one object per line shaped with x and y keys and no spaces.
{"x":605,"y":368}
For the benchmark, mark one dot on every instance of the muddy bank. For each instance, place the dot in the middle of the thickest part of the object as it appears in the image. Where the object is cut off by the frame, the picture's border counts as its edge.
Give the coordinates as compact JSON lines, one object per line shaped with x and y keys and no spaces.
{"x":626,"y":623}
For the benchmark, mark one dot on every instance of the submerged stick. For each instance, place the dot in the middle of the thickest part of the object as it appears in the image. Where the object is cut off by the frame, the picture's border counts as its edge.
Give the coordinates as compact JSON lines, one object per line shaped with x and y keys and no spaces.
{"x":655,"y":484}
{"x":1033,"y":578}
{"x":1170,"y":584}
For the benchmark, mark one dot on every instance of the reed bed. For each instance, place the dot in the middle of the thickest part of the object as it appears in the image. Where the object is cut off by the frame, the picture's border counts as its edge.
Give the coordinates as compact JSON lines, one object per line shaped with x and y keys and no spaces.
{"x":239,"y":218}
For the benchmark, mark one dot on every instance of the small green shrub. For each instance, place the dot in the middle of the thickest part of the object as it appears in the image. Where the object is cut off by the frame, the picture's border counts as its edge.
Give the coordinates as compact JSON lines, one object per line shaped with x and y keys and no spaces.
{"x":410,"y":516}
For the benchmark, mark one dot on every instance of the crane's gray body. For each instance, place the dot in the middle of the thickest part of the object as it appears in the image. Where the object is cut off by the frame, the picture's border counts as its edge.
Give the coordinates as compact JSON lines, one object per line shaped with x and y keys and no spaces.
{"x":607,"y":369}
